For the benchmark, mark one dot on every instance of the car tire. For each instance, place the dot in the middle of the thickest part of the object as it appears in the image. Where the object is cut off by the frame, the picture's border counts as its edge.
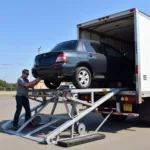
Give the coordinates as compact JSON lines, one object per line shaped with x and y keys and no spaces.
{"x":52,"y":84}
{"x":82,"y":78}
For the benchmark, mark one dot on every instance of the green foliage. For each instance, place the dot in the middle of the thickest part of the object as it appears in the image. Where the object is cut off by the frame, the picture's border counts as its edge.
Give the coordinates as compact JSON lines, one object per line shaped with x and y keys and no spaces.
{"x":7,"y":86}
{"x":3,"y":83}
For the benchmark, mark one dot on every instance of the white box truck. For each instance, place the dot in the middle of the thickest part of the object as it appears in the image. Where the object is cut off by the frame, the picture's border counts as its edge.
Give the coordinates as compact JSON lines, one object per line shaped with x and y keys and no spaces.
{"x":128,"y":31}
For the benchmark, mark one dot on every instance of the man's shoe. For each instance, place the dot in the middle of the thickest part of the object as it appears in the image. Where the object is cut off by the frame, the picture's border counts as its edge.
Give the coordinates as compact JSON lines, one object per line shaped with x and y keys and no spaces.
{"x":15,"y":128}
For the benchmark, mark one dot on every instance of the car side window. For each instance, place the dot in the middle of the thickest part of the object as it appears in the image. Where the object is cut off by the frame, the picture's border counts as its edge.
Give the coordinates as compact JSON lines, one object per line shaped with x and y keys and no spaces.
{"x":112,"y":52}
{"x":97,"y":47}
{"x":93,"y":47}
{"x":80,"y":47}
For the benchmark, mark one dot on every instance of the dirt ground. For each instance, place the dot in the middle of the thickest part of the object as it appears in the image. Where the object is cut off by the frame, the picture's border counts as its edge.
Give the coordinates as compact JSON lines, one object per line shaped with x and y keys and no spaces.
{"x":7,"y":93}
{"x":129,"y":135}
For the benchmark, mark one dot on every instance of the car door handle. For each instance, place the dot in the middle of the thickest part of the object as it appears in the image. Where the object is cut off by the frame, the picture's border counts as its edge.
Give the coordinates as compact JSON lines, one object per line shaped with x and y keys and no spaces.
{"x":90,"y":55}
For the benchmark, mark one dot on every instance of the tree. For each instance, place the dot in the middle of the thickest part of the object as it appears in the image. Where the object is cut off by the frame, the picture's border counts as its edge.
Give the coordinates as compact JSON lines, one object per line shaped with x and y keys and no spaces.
{"x":3,"y":83}
{"x":7,"y":86}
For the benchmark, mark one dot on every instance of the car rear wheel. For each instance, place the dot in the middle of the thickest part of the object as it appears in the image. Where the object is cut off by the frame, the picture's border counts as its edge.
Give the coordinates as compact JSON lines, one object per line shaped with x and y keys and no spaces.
{"x":52,"y":84}
{"x":82,"y":78}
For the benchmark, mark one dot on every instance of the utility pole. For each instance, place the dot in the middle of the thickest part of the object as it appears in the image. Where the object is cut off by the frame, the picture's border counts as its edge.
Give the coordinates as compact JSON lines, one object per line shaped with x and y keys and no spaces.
{"x":39,"y":49}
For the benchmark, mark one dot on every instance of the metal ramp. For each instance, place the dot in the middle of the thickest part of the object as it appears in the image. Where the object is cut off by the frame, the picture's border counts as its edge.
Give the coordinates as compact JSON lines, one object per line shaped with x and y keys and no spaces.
{"x":72,"y":120}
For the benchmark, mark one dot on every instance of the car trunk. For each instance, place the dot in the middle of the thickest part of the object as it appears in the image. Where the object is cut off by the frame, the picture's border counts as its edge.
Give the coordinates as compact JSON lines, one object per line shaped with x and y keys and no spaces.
{"x":47,"y":59}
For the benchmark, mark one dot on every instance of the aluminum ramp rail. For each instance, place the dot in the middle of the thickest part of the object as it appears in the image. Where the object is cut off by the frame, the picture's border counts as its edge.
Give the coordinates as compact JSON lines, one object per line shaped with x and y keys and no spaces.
{"x":37,"y":109}
{"x":66,"y":125}
{"x":68,"y":98}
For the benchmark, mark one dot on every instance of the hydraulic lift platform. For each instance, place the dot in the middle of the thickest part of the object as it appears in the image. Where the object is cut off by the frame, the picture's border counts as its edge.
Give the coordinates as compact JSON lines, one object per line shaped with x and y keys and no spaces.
{"x":67,"y":123}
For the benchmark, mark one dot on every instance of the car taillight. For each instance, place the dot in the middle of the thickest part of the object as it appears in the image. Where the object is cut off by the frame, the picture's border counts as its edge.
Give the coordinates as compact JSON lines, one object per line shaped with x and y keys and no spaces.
{"x":61,"y":58}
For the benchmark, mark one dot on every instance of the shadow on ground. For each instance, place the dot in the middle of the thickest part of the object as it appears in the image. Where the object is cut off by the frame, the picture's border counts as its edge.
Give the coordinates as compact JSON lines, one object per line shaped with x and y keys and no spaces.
{"x":92,"y":121}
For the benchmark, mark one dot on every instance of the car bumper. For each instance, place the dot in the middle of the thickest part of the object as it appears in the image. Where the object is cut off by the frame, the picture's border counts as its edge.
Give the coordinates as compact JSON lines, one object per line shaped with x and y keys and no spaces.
{"x":54,"y":72}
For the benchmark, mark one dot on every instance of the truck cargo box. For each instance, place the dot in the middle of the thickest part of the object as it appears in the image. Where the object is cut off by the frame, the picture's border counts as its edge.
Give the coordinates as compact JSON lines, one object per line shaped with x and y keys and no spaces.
{"x":129,"y":32}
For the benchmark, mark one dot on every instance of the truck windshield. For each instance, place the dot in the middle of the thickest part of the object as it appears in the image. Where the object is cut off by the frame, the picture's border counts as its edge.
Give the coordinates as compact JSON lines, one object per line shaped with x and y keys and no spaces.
{"x":69,"y":45}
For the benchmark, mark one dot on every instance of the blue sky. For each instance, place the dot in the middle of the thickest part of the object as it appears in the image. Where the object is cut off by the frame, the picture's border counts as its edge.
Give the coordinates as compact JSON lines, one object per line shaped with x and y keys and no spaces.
{"x":25,"y":25}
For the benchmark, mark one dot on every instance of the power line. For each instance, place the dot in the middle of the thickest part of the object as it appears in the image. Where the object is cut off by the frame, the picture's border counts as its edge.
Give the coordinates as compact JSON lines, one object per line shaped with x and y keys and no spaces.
{"x":14,"y":64}
{"x":19,"y":54}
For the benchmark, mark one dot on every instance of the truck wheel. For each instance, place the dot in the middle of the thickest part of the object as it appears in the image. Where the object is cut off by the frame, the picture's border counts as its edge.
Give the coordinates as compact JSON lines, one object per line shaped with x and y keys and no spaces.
{"x":52,"y":84}
{"x":82,"y":78}
{"x":115,"y":118}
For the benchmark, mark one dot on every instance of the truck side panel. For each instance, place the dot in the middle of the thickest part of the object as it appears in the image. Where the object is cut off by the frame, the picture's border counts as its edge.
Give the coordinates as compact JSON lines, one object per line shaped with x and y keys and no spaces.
{"x":144,"y":51}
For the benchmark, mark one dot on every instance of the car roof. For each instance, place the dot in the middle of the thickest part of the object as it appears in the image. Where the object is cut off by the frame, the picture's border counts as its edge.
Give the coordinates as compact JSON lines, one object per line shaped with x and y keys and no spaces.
{"x":89,"y":41}
{"x":83,"y":40}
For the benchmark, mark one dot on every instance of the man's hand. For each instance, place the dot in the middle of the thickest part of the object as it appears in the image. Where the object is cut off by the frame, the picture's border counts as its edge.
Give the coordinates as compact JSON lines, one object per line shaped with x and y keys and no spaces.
{"x":38,"y":80}
{"x":33,"y":83}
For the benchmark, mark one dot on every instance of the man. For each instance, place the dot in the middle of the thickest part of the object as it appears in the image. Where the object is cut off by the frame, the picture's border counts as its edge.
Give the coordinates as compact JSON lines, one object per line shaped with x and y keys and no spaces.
{"x":21,"y":97}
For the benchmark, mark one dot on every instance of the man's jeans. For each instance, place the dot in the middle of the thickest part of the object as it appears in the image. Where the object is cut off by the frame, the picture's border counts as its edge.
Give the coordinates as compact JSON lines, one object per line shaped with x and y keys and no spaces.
{"x":21,"y":101}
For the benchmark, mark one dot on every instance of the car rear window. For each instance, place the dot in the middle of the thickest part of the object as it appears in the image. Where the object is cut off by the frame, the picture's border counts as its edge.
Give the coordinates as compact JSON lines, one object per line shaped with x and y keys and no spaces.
{"x":69,"y":45}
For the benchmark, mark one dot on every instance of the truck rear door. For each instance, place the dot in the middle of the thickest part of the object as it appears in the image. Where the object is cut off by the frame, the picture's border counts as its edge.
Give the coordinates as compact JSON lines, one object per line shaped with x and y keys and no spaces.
{"x":143,"y":52}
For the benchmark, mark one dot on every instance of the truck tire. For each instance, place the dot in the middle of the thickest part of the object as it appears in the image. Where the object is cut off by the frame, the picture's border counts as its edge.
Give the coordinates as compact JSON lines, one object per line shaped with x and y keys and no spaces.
{"x":52,"y":84}
{"x":115,"y":118}
{"x":82,"y":78}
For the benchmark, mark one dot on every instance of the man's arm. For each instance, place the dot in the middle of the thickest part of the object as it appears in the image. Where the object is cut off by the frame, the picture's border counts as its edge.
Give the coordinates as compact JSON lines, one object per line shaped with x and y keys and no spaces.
{"x":32,"y":83}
